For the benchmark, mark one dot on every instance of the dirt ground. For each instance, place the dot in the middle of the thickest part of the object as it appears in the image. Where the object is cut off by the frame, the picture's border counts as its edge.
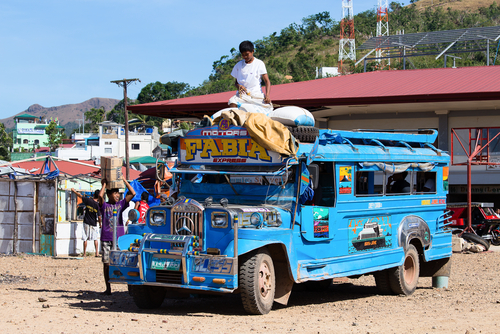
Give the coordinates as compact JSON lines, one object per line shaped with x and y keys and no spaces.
{"x":47,"y":295}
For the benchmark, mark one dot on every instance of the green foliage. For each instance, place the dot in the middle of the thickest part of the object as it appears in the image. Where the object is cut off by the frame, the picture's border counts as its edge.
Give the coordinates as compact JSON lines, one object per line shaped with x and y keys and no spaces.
{"x":55,"y":137}
{"x":299,"y":48}
{"x":158,"y":91}
{"x":5,"y":143}
{"x":94,"y":117}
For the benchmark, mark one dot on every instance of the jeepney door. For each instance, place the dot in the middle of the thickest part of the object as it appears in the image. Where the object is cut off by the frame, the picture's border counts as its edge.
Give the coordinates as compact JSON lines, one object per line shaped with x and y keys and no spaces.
{"x":317,"y":223}
{"x":318,"y":216}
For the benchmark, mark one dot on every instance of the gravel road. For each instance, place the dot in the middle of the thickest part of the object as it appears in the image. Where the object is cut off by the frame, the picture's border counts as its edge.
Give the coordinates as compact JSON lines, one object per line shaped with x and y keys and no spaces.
{"x":47,"y":295}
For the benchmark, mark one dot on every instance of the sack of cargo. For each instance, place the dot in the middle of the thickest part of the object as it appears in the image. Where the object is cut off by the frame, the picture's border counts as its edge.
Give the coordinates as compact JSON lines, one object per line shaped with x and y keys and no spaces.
{"x":293,"y":116}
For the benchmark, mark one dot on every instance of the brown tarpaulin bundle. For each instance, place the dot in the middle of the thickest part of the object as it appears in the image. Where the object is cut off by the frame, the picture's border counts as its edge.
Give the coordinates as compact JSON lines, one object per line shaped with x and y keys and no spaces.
{"x":270,"y":134}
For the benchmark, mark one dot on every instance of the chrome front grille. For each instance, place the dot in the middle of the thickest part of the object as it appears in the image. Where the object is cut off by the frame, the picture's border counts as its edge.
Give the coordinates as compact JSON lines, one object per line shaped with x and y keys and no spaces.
{"x":187,"y":219}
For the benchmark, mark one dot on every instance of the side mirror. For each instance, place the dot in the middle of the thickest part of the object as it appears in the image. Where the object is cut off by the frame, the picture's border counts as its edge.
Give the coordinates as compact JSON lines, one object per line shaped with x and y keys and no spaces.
{"x":314,"y":174}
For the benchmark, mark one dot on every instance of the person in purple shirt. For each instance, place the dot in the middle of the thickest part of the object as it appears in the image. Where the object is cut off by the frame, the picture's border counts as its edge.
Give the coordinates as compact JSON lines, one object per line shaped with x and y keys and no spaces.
{"x":107,"y":208}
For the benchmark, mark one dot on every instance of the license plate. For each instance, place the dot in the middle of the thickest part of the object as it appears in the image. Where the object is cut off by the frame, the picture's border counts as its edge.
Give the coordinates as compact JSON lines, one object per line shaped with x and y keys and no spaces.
{"x":162,"y":263}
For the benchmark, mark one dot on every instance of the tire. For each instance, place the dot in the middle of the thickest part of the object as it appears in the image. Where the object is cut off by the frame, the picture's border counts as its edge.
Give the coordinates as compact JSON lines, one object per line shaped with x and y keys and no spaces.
{"x":382,"y":282}
{"x":404,"y":279}
{"x":476,"y":239}
{"x":305,"y":134}
{"x":147,"y":297}
{"x":495,"y":237}
{"x":257,"y":283}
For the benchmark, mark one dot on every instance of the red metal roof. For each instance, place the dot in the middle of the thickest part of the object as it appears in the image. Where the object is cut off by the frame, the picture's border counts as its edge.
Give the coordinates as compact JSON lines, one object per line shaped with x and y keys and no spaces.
{"x":70,"y":168}
{"x":381,"y":87}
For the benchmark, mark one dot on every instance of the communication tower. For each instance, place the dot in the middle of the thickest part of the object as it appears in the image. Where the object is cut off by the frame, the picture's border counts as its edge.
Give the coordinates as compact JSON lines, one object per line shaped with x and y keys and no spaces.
{"x":347,"y":48}
{"x":382,"y":26}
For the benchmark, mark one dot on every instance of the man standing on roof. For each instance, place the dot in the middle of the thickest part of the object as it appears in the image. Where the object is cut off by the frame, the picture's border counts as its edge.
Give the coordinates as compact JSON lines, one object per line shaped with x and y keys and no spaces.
{"x":92,"y":216}
{"x":248,"y":74}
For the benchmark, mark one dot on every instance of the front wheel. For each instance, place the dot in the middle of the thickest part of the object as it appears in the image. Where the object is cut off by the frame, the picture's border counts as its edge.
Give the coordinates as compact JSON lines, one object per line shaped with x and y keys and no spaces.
{"x":495,"y":237}
{"x":147,"y":297}
{"x":257,"y":283}
{"x":404,"y":279}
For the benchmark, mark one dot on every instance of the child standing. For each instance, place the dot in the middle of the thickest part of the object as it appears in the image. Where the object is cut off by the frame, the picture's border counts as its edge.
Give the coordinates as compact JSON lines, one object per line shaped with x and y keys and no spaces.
{"x":248,"y":74}
{"x":142,"y":206}
{"x":107,"y":208}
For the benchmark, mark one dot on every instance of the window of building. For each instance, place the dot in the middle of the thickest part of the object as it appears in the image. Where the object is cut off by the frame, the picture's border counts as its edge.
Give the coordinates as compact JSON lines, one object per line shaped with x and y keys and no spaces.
{"x":25,"y":141}
{"x":37,"y":142}
{"x":108,"y":150}
{"x":19,"y":140}
{"x":108,"y":143}
{"x":135,"y":146}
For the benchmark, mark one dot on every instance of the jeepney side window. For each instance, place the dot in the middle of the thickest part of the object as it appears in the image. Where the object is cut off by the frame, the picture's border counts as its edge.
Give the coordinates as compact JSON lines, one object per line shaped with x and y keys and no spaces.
{"x":324,"y":195}
{"x":369,"y":182}
{"x":398,"y":183}
{"x":424,"y":182}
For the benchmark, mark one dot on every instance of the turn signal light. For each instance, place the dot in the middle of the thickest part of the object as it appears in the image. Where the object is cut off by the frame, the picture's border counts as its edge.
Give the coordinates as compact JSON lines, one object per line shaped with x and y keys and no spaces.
{"x":199,"y":279}
{"x":219,"y":280}
{"x":133,"y":273}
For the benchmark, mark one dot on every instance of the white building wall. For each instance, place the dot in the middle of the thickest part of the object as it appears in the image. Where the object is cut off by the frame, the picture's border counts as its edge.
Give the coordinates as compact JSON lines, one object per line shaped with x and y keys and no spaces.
{"x":397,"y":123}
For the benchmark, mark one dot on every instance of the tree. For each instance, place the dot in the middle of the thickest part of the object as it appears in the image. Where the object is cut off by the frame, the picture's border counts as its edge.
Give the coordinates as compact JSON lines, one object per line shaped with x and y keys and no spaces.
{"x":5,"y":143}
{"x":55,"y":137}
{"x":94,"y":116}
{"x":158,"y":91}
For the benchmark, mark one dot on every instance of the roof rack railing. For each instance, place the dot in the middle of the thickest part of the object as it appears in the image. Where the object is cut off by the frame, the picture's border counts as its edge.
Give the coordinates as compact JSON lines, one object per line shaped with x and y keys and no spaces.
{"x":407,"y":145}
{"x":380,"y":144}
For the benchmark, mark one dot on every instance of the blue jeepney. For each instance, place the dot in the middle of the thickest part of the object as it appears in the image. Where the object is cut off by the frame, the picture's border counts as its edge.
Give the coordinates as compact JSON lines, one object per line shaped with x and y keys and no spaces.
{"x":248,"y":220}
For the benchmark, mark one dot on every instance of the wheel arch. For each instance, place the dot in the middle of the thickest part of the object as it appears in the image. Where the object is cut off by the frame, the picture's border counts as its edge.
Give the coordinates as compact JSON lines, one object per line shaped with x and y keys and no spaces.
{"x":282,"y":269}
{"x":414,"y":230}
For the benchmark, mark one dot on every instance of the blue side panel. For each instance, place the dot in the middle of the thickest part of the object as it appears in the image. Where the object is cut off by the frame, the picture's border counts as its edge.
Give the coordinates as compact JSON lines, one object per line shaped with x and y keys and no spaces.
{"x":441,"y":247}
{"x":350,"y":265}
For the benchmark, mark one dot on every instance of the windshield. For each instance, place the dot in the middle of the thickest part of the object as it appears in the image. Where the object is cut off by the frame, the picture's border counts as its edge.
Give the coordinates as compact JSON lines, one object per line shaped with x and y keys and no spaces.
{"x":241,"y":189}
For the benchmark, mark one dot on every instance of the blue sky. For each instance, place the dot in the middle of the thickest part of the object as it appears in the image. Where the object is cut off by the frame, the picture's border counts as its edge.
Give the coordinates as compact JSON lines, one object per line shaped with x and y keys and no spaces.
{"x":56,"y":52}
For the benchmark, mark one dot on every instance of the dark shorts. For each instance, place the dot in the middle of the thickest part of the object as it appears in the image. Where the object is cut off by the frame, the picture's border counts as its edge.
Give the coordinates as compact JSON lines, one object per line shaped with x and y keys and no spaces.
{"x":105,"y":249}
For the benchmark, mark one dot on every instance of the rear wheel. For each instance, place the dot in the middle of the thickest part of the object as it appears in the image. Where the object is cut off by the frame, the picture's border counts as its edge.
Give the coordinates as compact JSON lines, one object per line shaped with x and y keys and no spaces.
{"x":476,"y":239}
{"x":404,"y":279}
{"x":382,"y":282}
{"x":305,"y":134}
{"x":257,"y":283}
{"x":147,"y":297}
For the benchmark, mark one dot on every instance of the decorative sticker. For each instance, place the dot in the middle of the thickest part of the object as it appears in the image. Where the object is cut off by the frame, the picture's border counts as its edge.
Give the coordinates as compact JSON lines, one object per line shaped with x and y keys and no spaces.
{"x":369,"y":233}
{"x":345,"y":178}
{"x":321,"y":226}
{"x":446,"y":171}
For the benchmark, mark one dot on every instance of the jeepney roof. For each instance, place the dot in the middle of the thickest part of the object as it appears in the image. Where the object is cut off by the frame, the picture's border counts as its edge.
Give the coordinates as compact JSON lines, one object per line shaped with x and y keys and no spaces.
{"x":373,"y":146}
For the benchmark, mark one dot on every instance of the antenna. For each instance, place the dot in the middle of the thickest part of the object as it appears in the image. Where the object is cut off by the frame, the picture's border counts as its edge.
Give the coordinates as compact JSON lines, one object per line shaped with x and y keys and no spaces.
{"x":382,"y":27}
{"x":347,"y":48}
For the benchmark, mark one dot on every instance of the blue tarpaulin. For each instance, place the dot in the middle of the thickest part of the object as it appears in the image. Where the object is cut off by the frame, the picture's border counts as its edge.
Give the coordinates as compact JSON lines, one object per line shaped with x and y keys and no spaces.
{"x":139,"y":189}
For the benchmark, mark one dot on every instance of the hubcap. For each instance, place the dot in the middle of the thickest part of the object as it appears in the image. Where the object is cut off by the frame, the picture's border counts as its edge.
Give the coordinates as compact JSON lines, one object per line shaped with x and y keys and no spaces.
{"x":264,"y":280}
{"x":409,"y":270}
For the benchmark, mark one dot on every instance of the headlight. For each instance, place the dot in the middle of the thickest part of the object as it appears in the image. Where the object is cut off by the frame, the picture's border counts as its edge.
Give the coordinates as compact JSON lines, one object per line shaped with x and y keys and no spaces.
{"x":256,"y":219}
{"x":219,"y":219}
{"x":157,"y":218}
{"x":133,"y":215}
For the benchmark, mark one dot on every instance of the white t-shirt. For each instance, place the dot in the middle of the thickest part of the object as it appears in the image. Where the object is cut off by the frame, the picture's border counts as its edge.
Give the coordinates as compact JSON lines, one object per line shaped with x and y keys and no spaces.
{"x":431,"y":185}
{"x":250,"y":75}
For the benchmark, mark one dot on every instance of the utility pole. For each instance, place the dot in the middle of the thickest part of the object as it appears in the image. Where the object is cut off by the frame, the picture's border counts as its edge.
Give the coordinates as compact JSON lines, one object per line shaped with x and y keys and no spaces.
{"x":124,"y":83}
